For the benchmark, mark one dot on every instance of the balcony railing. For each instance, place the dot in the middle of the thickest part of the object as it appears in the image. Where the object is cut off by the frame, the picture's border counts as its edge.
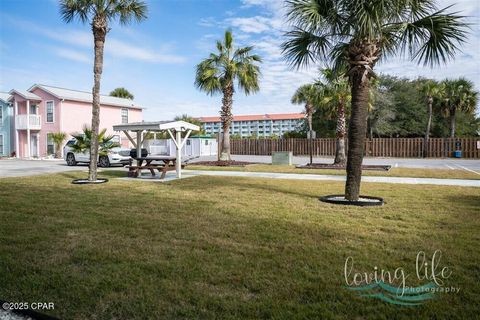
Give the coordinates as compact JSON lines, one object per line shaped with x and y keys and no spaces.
{"x":24,"y":121}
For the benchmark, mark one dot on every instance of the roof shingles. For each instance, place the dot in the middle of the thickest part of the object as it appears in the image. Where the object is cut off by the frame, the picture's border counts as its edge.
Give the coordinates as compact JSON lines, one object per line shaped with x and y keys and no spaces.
{"x":255,"y":117}
{"x":4,"y":96}
{"x":83,"y":96}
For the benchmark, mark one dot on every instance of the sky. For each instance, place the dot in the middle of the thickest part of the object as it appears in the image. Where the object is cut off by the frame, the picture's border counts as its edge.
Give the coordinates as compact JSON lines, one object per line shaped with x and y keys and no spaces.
{"x":155,"y":60}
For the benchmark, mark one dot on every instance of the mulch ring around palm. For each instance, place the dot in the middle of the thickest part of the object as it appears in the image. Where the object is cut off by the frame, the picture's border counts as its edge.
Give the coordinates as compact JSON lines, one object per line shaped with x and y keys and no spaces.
{"x":230,"y":163}
{"x":374,"y":167}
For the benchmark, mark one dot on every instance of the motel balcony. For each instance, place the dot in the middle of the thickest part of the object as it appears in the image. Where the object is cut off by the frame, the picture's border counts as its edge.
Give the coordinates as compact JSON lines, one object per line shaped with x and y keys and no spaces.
{"x":24,"y":122}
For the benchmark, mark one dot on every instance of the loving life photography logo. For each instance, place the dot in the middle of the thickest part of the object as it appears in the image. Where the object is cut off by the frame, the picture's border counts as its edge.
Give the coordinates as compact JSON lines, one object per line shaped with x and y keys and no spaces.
{"x":392,"y":286}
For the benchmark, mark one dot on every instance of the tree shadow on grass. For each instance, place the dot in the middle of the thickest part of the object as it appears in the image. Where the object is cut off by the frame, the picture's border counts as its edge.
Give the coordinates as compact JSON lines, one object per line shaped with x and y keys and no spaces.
{"x":466,"y":200}
{"x":244,"y":183}
{"x":110,"y":174}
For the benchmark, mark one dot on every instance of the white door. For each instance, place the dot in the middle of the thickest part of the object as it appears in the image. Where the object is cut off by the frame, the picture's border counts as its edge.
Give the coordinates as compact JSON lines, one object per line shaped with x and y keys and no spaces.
{"x":34,"y":145}
{"x":187,"y":148}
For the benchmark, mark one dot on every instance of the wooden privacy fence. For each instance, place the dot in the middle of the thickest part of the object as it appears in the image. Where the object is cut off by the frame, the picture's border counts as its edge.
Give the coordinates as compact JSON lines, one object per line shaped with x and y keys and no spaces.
{"x":378,"y":147}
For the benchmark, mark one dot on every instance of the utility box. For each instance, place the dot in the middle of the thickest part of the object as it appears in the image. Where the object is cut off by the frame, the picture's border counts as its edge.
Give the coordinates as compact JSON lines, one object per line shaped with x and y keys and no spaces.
{"x":458,"y":149}
{"x":282,"y":158}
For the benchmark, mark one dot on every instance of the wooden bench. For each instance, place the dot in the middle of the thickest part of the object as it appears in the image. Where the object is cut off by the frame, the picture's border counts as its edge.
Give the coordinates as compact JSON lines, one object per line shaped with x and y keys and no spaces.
{"x":135,"y":171}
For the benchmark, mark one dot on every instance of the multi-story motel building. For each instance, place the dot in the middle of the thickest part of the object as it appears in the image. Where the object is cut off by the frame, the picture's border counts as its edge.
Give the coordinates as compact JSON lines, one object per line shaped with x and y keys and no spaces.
{"x":262,"y":125}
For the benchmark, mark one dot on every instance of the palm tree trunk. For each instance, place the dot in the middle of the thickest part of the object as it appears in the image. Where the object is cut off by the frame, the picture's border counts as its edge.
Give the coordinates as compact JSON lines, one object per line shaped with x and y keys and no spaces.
{"x":310,"y":130}
{"x":99,"y":28}
{"x":452,"y":122}
{"x":362,"y":54}
{"x":340,"y":132}
{"x":226,"y":117}
{"x":370,"y":128}
{"x":357,"y":131}
{"x":427,"y":131}
{"x":58,"y":151}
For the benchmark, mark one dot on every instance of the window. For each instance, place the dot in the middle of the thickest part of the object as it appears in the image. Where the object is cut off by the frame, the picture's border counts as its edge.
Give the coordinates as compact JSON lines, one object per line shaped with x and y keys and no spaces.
{"x":116,"y":139}
{"x":50,"y":144}
{"x":124,"y":115}
{"x":1,"y":143}
{"x":50,"y":109}
{"x":1,"y":115}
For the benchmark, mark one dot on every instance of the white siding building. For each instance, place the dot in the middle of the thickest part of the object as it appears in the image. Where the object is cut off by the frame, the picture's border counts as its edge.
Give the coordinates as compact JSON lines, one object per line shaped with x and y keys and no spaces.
{"x":194,"y":147}
{"x":264,"y":125}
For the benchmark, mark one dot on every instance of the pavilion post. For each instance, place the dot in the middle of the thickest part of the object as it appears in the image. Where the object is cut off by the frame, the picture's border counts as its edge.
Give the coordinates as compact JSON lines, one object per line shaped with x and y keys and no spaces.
{"x":139,"y":146}
{"x":178,"y":145}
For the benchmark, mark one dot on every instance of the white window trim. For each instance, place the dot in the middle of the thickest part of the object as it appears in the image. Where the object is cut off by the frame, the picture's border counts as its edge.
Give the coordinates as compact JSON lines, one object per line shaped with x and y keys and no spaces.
{"x":46,"y":111}
{"x":121,"y":114}
{"x":46,"y":144}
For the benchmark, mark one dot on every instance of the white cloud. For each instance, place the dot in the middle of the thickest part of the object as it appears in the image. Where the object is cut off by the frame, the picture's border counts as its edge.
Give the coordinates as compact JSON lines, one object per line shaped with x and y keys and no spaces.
{"x":278,"y":81}
{"x":72,"y":55}
{"x":208,"y":22}
{"x":74,"y":37}
{"x":113,"y":46}
{"x":126,"y":50}
{"x":256,"y":24}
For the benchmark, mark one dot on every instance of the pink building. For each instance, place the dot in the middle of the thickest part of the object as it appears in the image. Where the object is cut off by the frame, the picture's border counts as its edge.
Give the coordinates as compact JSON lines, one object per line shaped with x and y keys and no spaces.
{"x":45,"y":109}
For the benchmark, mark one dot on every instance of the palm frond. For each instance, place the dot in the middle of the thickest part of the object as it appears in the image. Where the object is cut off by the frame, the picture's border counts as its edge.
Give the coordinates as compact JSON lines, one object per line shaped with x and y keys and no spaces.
{"x":433,"y":39}
{"x":75,"y":9}
{"x":322,"y":30}
{"x":338,"y":57}
{"x":223,"y":68}
{"x":242,"y":52}
{"x":248,"y":75}
{"x":129,"y":10}
{"x":228,"y":40}
{"x":320,"y":15}
{"x":304,"y":47}
{"x":83,"y":141}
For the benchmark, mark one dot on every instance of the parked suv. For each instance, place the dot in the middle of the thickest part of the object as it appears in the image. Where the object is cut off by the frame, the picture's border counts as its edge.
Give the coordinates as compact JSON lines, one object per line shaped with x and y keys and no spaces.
{"x":115,"y":156}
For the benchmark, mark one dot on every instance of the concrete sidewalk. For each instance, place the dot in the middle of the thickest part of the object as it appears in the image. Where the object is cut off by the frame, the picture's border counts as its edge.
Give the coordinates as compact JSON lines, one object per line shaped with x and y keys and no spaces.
{"x":296,"y":176}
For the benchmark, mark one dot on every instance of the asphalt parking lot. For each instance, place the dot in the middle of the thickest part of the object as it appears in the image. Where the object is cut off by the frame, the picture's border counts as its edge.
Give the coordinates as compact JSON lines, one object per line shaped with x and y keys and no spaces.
{"x":17,"y":167}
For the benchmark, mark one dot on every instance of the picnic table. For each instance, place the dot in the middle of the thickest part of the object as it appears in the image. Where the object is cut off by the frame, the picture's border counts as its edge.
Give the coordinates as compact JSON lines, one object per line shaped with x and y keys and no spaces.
{"x":152,"y":163}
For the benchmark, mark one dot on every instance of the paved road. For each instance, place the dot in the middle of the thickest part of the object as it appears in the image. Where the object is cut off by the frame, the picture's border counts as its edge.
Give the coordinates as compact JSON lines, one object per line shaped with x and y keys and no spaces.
{"x":448,"y":163}
{"x":17,"y":168}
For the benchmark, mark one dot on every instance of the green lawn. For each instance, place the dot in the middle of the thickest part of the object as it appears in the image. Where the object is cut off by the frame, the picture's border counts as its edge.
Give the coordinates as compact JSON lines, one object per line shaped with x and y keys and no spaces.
{"x":227,"y":248}
{"x":394,"y":172}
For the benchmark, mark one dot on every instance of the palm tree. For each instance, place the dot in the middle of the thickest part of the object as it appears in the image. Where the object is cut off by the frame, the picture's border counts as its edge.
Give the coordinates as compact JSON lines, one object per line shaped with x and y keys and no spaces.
{"x":185,"y":117}
{"x":99,"y":13}
{"x":218,"y":73}
{"x":83,"y":142}
{"x":308,"y":94}
{"x":58,"y":138}
{"x":431,"y":90}
{"x":335,"y":98}
{"x":121,"y":93}
{"x":459,"y":95}
{"x":356,"y":34}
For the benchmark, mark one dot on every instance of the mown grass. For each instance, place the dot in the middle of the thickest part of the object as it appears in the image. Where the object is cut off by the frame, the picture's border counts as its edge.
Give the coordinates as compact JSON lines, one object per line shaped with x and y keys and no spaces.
{"x":393,"y":172}
{"x":227,"y":248}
